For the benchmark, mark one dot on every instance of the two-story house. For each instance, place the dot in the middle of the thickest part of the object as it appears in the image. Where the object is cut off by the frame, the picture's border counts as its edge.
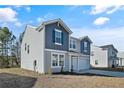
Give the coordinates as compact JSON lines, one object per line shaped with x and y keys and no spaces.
{"x":50,"y":47}
{"x":103,"y":56}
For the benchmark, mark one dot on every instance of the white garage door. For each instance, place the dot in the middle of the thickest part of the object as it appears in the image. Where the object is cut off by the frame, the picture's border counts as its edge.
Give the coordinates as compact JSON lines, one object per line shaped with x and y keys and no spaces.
{"x":83,"y":63}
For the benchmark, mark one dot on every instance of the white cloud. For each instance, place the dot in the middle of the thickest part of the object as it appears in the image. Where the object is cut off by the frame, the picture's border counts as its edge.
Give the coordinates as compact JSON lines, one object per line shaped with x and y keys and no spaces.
{"x":19,"y":7}
{"x":73,"y":7}
{"x":108,"y":9}
{"x":7,"y":15}
{"x":48,"y":16}
{"x":101,"y":21}
{"x":40,"y":19}
{"x":104,"y":36}
{"x":18,"y":24}
{"x":30,"y":21}
{"x":28,"y":9}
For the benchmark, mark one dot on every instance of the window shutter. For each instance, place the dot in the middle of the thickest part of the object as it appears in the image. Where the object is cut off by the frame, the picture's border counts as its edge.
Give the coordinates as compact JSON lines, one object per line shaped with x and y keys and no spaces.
{"x":62,"y":39}
{"x":53,"y":36}
{"x":82,"y":48}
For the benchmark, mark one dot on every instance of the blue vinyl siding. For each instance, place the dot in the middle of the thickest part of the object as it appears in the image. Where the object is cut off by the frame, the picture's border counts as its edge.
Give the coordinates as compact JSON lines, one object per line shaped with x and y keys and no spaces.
{"x":50,"y":37}
{"x":82,"y":47}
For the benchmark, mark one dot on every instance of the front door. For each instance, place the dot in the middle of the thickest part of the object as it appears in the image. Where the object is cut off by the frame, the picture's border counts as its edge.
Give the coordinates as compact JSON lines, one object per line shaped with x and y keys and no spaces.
{"x":74,"y":65}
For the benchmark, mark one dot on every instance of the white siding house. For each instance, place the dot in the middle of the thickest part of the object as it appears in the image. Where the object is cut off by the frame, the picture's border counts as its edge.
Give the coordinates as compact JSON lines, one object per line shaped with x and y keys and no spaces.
{"x":99,"y":57}
{"x":31,"y":49}
{"x":103,"y":56}
{"x":120,"y":56}
{"x":48,"y":47}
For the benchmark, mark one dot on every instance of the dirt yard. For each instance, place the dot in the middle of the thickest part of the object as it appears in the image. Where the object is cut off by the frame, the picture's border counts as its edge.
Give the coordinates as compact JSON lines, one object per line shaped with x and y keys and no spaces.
{"x":16,"y":77}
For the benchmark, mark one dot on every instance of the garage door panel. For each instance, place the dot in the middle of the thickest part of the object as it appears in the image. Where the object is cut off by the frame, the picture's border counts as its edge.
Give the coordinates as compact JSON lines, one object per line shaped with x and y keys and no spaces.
{"x":83,"y":63}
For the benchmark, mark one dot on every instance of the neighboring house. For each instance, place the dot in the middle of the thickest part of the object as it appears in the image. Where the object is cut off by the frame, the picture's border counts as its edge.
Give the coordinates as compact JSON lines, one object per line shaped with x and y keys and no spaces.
{"x":50,"y":47}
{"x":103,"y":56}
{"x":120,"y":56}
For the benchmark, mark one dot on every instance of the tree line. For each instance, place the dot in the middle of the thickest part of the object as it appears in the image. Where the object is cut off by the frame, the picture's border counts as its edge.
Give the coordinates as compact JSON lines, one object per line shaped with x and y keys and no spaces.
{"x":9,"y":49}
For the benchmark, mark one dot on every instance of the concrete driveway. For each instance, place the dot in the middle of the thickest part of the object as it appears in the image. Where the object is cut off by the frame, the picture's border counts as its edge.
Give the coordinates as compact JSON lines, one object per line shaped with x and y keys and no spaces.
{"x":106,"y":73}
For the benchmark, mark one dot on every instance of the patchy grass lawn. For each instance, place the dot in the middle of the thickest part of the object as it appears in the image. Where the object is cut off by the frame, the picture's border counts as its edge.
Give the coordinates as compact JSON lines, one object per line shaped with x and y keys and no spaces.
{"x":16,"y":77}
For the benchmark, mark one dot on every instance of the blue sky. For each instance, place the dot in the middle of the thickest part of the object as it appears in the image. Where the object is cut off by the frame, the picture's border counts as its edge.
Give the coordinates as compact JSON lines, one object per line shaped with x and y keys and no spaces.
{"x":103,"y":24}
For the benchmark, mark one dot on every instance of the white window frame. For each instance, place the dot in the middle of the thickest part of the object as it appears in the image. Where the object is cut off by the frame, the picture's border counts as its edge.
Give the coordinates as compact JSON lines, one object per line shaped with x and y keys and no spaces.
{"x":71,"y":43}
{"x":57,"y":60}
{"x":59,"y":31}
{"x":85,"y":46}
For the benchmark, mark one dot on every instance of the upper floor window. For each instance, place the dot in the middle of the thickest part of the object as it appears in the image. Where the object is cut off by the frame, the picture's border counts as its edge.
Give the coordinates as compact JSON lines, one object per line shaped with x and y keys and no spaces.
{"x":113,"y":53}
{"x":85,"y":46}
{"x":72,"y":44}
{"x":58,"y":37}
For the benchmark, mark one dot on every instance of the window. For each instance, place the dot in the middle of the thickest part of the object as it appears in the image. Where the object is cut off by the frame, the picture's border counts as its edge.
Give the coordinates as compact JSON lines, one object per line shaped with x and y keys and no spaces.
{"x":35,"y":65}
{"x":54,"y":60}
{"x":85,"y":46}
{"x":28,"y":49}
{"x":113,"y":53}
{"x":58,"y":60}
{"x":72,"y":44}
{"x":58,"y":36}
{"x":96,"y":62}
{"x":61,"y":60}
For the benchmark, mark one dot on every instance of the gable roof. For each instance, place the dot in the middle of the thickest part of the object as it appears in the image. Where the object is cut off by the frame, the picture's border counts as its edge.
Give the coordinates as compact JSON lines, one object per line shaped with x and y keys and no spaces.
{"x":54,"y":21}
{"x":85,"y":37}
{"x":110,"y":45}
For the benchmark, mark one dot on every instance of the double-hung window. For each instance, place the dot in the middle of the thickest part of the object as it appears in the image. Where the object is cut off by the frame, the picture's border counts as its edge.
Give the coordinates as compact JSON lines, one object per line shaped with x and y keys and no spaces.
{"x":58,"y":37}
{"x":61,"y":60}
{"x":54,"y":60}
{"x":85,"y":46}
{"x":57,"y":60}
{"x":72,"y":44}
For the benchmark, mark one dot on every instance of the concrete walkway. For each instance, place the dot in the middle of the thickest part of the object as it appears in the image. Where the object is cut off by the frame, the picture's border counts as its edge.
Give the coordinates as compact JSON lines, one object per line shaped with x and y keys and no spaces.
{"x":106,"y":73}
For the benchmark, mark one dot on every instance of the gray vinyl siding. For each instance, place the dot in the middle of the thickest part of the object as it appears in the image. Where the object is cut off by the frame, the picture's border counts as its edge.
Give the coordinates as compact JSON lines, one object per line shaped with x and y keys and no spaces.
{"x":82,"y":47}
{"x":49,"y":43}
{"x":56,"y":69}
{"x":77,"y":45}
{"x":110,"y":60}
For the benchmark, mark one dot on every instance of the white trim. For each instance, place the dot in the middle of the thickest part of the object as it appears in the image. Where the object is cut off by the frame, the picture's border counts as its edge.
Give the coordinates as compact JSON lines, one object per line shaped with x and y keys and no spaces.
{"x":72,"y":49}
{"x":70,"y":63}
{"x":58,"y":43}
{"x":78,"y":64}
{"x":58,"y":54}
{"x":58,"y":51}
{"x":43,"y":50}
{"x":57,"y":20}
{"x":70,"y":53}
{"x":78,"y":54}
{"x":58,"y":30}
{"x":73,"y":42}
